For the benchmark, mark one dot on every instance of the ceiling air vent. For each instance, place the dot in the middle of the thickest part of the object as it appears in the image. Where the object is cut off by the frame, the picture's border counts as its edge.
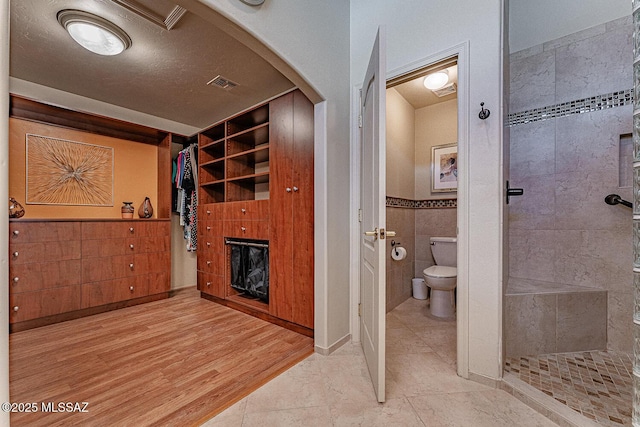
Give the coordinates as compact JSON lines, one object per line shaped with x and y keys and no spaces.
{"x":447,"y":90}
{"x":222,"y":83}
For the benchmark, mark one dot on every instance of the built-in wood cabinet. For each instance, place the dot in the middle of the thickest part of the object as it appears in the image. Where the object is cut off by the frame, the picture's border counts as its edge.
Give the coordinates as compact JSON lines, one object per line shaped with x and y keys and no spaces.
{"x":256,"y":182}
{"x":62,"y":268}
{"x":59,"y":267}
{"x":291,"y":198}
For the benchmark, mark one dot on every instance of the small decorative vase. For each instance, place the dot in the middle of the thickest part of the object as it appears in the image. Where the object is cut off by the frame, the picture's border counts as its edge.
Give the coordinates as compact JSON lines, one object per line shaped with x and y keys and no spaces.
{"x":145,"y":210}
{"x":127,"y":210}
{"x":15,"y":209}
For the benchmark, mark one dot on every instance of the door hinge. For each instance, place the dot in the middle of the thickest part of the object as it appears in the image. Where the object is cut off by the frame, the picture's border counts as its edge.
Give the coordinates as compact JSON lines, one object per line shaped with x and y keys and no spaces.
{"x":359,"y":310}
{"x":359,"y":215}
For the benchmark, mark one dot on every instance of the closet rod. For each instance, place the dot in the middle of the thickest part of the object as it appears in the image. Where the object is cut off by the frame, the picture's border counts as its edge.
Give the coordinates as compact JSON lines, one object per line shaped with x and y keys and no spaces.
{"x":235,"y":242}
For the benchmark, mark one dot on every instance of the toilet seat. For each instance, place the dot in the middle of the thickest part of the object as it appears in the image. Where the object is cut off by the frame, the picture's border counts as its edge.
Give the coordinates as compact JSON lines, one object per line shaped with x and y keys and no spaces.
{"x":440,"y":271}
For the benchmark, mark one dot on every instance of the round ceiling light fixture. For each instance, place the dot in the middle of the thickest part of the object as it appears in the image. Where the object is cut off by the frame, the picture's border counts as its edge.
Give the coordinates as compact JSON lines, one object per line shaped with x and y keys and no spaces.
{"x":437,"y":80}
{"x":94,"y":33}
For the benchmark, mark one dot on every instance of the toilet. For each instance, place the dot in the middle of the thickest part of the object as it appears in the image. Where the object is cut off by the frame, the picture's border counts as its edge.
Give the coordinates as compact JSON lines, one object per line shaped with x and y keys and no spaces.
{"x":442,"y":277}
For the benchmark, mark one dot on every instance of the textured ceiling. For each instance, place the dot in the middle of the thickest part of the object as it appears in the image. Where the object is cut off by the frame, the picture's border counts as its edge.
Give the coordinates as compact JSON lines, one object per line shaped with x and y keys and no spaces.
{"x":164,"y":73}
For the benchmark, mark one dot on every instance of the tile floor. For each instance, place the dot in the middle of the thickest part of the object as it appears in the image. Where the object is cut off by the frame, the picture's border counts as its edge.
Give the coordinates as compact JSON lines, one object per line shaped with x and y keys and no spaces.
{"x":422,"y":386}
{"x":596,"y":384}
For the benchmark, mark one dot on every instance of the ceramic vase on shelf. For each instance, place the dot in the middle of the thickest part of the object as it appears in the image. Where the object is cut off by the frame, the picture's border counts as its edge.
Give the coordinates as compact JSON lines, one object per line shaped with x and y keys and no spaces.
{"x":145,"y":210}
{"x":15,"y":209}
{"x":127,"y":210}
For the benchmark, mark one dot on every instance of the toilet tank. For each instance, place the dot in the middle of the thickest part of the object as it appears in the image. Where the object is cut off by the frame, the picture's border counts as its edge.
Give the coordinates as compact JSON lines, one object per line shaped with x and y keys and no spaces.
{"x":444,"y":251}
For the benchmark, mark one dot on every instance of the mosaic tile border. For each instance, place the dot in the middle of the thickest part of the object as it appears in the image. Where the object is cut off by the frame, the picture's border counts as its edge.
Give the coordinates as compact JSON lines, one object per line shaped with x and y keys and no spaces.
{"x":397,"y":202}
{"x":580,"y":106}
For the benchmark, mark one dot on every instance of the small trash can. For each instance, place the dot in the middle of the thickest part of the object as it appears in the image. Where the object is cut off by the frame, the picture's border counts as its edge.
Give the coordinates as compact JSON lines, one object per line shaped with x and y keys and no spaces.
{"x":419,"y":288}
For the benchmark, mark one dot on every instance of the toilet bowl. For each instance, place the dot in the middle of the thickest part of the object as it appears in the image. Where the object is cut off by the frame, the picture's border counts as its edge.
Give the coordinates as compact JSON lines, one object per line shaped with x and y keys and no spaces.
{"x":442,"y":277}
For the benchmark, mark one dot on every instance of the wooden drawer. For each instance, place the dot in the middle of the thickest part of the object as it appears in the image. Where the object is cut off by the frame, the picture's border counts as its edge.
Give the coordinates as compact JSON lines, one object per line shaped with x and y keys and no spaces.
{"x":106,"y":292}
{"x":125,"y":246}
{"x":212,"y":261}
{"x":212,"y":284}
{"x":247,"y":210}
{"x":247,"y":229}
{"x":38,"y":276}
{"x":211,"y":228}
{"x":46,"y":231}
{"x":32,"y":305}
{"x":211,"y":211}
{"x":156,"y":262}
{"x":95,"y":230}
{"x":22,"y":253}
{"x":100,"y":269}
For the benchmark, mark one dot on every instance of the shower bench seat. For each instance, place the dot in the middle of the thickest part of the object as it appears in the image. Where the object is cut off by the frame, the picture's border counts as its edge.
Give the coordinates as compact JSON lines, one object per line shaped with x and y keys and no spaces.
{"x":546,"y":317}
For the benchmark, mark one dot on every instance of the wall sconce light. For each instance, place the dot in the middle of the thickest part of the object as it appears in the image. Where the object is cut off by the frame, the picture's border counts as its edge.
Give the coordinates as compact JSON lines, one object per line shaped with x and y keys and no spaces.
{"x":94,"y":33}
{"x":436,"y":80}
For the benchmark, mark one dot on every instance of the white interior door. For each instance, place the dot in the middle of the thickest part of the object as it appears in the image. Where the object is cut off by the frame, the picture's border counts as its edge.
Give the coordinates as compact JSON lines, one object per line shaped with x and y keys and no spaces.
{"x":372,"y":205}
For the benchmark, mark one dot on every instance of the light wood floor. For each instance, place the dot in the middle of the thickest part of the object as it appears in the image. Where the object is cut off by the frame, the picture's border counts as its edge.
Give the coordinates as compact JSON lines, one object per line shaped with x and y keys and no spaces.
{"x":177,"y":361}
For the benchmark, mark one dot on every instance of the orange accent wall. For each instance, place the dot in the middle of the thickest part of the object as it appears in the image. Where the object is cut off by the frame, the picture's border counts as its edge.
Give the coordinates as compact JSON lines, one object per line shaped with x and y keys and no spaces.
{"x":135,"y":171}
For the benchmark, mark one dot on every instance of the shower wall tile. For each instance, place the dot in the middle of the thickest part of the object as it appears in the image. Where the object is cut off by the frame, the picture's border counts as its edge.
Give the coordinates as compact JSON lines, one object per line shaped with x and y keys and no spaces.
{"x":581,"y":321}
{"x":525,"y":53}
{"x":624,"y":22}
{"x":532,"y":151}
{"x":598,"y":258}
{"x":595,"y":65}
{"x":580,"y":201}
{"x":561,"y":232}
{"x":588,"y":33}
{"x":532,"y":254}
{"x":536,"y":209}
{"x":530,"y":324}
{"x":620,"y":334}
{"x":532,"y":82}
{"x":589,"y":142}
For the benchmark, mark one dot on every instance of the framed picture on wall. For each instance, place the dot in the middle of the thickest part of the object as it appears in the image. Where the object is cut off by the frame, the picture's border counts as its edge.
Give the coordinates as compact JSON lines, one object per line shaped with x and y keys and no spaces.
{"x":444,"y":168}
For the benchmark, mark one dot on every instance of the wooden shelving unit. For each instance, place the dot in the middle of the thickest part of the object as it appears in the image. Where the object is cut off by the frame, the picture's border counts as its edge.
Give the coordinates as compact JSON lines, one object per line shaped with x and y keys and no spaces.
{"x":256,"y":182}
{"x":234,"y":158}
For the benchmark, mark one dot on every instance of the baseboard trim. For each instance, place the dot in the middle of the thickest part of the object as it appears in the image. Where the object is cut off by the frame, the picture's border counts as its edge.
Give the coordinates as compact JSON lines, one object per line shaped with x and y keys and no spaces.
{"x":325,"y":351}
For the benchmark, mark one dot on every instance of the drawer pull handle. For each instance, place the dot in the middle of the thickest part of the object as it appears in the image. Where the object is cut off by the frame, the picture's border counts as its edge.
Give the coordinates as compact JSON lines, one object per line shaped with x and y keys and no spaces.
{"x":295,"y":189}
{"x":15,"y":279}
{"x":131,"y":246}
{"x":243,"y":229}
{"x":288,"y":189}
{"x":16,"y":308}
{"x":208,"y":284}
{"x":131,"y":288}
{"x":131,"y":266}
{"x":208,"y":263}
{"x":208,"y":212}
{"x":208,"y":228}
{"x":243,"y":210}
{"x":131,"y":229}
{"x":15,"y":254}
{"x":16,"y":232}
{"x":208,"y":244}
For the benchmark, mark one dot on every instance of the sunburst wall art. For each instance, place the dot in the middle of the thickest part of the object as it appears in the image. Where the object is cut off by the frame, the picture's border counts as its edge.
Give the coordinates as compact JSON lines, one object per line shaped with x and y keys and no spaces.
{"x":61,"y":172}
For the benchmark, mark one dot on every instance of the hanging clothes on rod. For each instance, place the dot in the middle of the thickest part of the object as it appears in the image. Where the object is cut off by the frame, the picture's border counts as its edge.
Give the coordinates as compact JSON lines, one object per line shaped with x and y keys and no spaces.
{"x":186,"y":181}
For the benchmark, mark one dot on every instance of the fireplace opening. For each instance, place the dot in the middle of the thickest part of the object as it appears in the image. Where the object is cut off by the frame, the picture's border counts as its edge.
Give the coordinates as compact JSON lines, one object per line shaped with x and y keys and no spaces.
{"x":249,"y":261}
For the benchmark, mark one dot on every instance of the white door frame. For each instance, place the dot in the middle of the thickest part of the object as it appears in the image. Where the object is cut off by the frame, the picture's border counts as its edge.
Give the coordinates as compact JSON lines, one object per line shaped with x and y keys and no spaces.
{"x":462,"y":52}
